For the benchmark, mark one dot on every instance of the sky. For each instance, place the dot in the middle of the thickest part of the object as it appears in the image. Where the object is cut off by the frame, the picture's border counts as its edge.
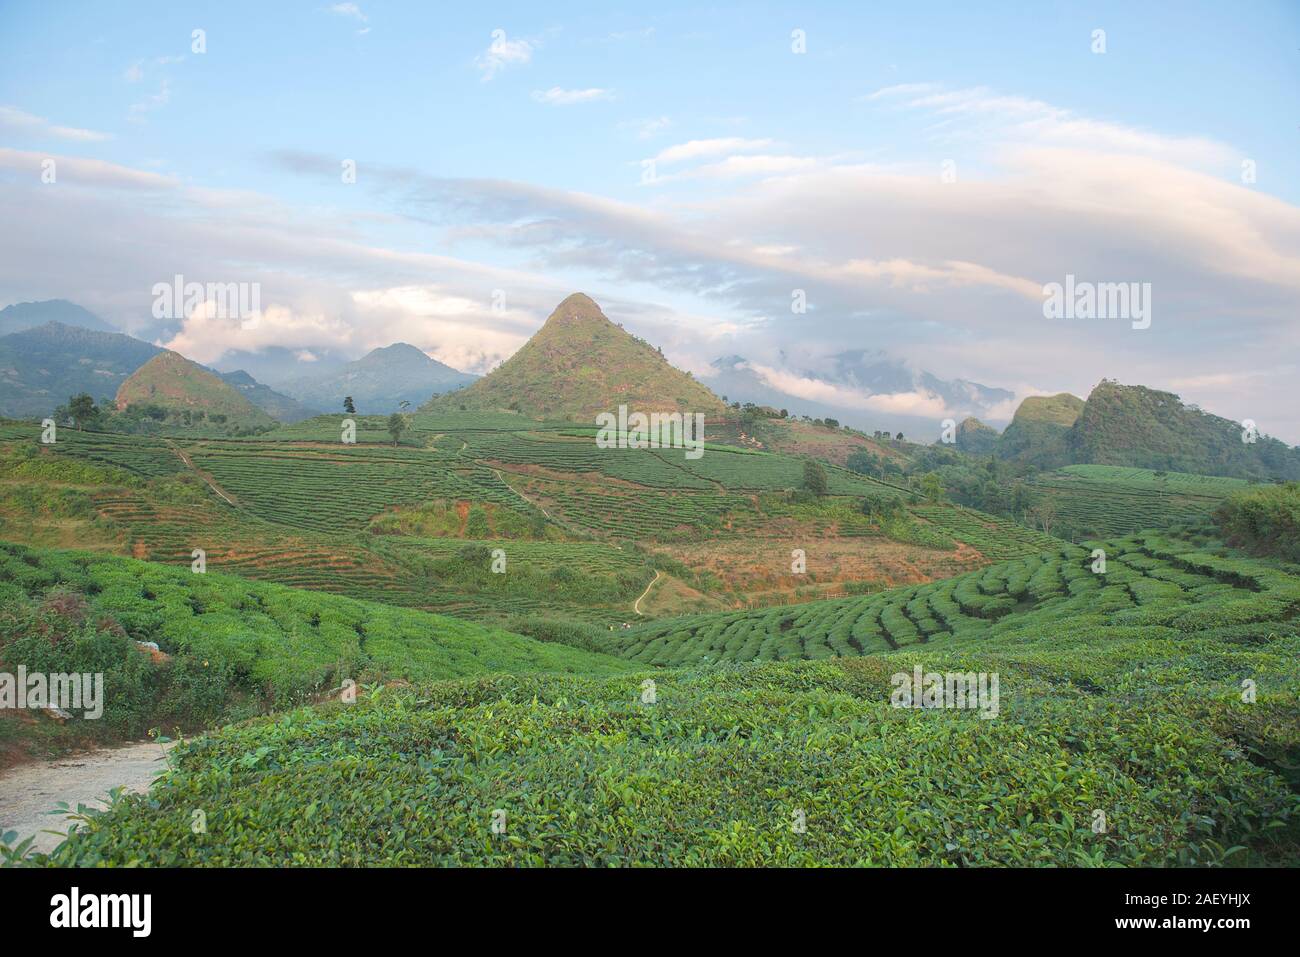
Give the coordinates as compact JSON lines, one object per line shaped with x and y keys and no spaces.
{"x":782,"y":182}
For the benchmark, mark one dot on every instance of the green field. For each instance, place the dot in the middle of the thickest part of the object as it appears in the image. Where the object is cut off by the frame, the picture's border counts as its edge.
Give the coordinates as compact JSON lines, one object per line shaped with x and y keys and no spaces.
{"x":1102,"y":500}
{"x":1120,"y":696}
{"x":1149,"y":580}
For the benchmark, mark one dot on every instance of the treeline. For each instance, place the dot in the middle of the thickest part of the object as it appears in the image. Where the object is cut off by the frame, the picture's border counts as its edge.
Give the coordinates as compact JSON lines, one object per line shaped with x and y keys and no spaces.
{"x":144,"y":418}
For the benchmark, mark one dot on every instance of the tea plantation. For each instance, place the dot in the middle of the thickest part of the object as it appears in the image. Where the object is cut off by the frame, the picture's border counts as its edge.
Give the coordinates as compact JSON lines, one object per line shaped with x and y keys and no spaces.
{"x":1139,"y":724}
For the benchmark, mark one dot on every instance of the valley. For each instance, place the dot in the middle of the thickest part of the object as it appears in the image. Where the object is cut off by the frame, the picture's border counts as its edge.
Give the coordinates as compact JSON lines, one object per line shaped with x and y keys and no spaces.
{"x":461,"y":607}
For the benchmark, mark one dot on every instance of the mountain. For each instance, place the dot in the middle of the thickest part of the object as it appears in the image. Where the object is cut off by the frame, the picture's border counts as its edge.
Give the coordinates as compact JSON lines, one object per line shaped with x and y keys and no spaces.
{"x":1040,"y":430}
{"x":41,"y":367}
{"x":175,"y":383}
{"x":276,"y":365}
{"x":28,"y":315}
{"x":865,"y":389}
{"x":379,"y":381}
{"x":275,"y":404}
{"x":1138,"y":427}
{"x":580,"y":364}
{"x":975,"y":437}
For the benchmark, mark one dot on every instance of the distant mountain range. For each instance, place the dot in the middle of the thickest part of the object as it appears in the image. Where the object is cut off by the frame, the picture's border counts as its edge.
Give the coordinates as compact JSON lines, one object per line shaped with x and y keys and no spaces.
{"x":280,"y":407}
{"x":41,"y":367}
{"x":28,"y":315}
{"x":580,"y":364}
{"x":865,"y":389}
{"x":55,"y":349}
{"x":380,"y":381}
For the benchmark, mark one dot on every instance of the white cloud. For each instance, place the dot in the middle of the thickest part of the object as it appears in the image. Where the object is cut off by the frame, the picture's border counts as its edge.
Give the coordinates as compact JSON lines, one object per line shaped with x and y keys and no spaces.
{"x":701,"y":149}
{"x":134,"y":73}
{"x":16,"y":121}
{"x":557,"y":96}
{"x":503,"y":53}
{"x":1036,"y":121}
{"x":349,"y":10}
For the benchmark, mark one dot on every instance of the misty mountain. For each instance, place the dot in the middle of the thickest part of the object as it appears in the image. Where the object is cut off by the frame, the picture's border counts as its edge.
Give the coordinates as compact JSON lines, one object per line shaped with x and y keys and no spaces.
{"x":28,"y":315}
{"x":841,"y":386}
{"x":379,"y":381}
{"x":41,"y":367}
{"x":281,"y":407}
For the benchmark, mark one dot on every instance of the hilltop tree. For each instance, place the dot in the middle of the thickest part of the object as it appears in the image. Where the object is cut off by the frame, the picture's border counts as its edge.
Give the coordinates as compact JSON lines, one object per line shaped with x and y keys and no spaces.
{"x":348,"y":406}
{"x":814,"y":478}
{"x":396,"y":426}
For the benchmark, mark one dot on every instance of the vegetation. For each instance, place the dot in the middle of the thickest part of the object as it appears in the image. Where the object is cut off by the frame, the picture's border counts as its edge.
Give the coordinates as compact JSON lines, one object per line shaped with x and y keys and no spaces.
{"x":575,"y":365}
{"x":229,"y":648}
{"x":1120,"y":694}
{"x":173,"y":382}
{"x":1264,"y":521}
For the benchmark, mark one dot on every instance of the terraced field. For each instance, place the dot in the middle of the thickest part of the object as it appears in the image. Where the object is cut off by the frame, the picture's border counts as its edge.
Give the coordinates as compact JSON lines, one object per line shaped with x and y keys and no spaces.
{"x":1122,"y":696}
{"x":1149,"y":580}
{"x":300,"y":507}
{"x":1104,"y":500}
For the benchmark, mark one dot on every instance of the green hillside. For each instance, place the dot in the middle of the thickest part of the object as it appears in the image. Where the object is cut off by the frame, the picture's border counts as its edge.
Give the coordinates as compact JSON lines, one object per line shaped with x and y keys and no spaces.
{"x":41,"y":367}
{"x":1039,"y":431}
{"x":1149,"y":580}
{"x":1136,"y":426}
{"x":235,"y":647}
{"x":1096,"y":501}
{"x":580,"y":364}
{"x":975,"y":437}
{"x":1120,"y":701}
{"x":172,"y":382}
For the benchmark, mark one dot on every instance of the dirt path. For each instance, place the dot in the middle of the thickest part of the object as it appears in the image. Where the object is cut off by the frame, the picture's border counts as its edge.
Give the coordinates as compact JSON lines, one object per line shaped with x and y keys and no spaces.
{"x":212,"y":483}
{"x":524,"y":498}
{"x":636,"y":607}
{"x":28,"y":791}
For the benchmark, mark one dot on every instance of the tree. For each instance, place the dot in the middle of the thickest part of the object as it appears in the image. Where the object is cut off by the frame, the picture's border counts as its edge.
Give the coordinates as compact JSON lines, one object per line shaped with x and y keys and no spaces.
{"x":932,"y":486}
{"x":82,"y":408}
{"x":396,"y":426}
{"x":814,"y":478}
{"x":348,"y":406}
{"x":1045,"y":513}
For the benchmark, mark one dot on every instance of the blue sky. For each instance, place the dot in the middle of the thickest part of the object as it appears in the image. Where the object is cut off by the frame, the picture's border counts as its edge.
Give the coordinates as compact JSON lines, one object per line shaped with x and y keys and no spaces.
{"x":516,"y":164}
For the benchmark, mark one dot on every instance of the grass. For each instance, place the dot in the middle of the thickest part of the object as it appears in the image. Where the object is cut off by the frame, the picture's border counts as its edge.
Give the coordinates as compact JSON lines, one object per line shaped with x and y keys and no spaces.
{"x":234,"y":647}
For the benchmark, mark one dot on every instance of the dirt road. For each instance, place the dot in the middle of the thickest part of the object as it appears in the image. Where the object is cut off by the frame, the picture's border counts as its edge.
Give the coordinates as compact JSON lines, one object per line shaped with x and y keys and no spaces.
{"x":29,"y":790}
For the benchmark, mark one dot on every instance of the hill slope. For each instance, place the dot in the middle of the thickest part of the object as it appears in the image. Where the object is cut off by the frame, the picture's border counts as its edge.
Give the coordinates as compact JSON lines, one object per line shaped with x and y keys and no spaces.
{"x":1135,"y":426}
{"x":41,"y":367}
{"x":275,"y":404}
{"x":1039,"y":431}
{"x":580,"y":364}
{"x":174,"y":382}
{"x":380,"y":381}
{"x":719,"y":762}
